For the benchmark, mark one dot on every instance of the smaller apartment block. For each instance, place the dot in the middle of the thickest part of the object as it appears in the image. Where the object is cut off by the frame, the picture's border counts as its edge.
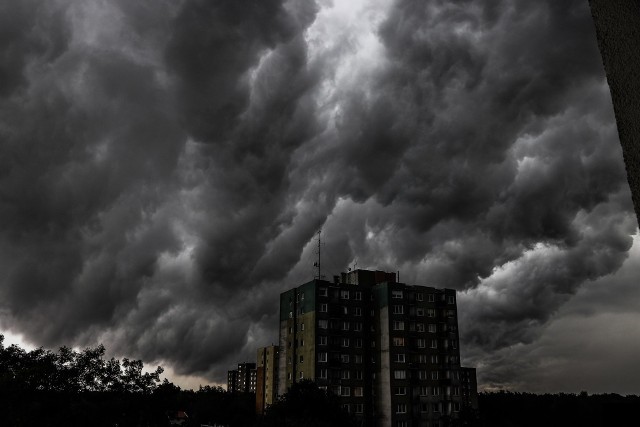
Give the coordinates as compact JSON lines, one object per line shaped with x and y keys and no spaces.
{"x":266,"y":377}
{"x":243,"y":379}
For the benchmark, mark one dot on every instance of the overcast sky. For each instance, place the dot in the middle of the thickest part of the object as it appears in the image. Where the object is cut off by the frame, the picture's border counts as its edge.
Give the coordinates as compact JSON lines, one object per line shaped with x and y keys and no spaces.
{"x":165,"y":165}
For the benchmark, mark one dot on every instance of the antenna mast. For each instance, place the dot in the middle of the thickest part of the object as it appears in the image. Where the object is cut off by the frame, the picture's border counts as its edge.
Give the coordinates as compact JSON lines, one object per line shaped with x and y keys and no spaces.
{"x":319,"y":258}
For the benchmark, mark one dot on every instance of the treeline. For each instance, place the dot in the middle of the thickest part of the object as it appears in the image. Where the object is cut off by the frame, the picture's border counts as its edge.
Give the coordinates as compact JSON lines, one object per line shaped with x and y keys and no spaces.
{"x":510,"y":409}
{"x":82,"y":388}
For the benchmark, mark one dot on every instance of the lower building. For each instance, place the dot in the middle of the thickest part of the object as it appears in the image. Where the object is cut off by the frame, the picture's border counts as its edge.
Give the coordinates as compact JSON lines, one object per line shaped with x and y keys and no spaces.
{"x":267,"y":377}
{"x":243,"y":379}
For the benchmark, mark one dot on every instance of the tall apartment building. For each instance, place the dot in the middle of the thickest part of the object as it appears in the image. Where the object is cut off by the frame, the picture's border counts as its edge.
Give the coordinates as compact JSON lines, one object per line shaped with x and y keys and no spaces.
{"x":388,"y":349}
{"x":267,"y":377}
{"x":243,"y":379}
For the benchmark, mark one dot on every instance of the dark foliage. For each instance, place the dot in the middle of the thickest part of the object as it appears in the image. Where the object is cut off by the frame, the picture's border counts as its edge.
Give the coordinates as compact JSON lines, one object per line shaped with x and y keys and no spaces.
{"x":307,"y":405}
{"x":81,"y":388}
{"x":508,"y":409}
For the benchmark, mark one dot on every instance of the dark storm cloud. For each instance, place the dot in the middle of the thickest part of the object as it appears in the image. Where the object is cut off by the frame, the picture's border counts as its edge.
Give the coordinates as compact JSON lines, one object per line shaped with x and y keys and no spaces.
{"x":165,"y":166}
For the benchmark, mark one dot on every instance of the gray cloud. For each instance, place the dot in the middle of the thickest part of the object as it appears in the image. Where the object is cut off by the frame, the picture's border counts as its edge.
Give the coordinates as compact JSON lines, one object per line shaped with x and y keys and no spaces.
{"x":165,"y":166}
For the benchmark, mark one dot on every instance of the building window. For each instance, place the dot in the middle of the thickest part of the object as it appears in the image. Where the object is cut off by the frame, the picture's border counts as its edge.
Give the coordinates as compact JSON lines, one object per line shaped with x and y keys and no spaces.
{"x":344,"y":294}
{"x":359,"y":408}
{"x":358,"y":311}
{"x":398,"y":341}
{"x":345,"y":326}
{"x":431,"y":312}
{"x":301,"y":375}
{"x":420,"y":312}
{"x":431,"y":298}
{"x":398,"y":309}
{"x":424,"y":391}
{"x":302,"y":326}
{"x":344,"y":358}
{"x":434,"y":344}
{"x":451,"y":313}
{"x":345,"y":342}
{"x":345,"y":391}
{"x":422,"y":375}
{"x":435,"y":407}
{"x":434,"y":358}
{"x":400,"y":358}
{"x":454,"y":344}
{"x":400,"y":374}
{"x":358,"y":296}
{"x":323,"y":373}
{"x":322,"y":357}
{"x":432,"y":328}
{"x":456,"y":391}
{"x":424,"y":407}
{"x":373,"y":343}
{"x":358,"y":342}
{"x":434,"y":375}
{"x":421,"y":343}
{"x":324,"y":308}
{"x":323,"y":292}
{"x":345,"y":374}
{"x":456,"y":407}
{"x":396,"y":294}
{"x":436,"y":391}
{"x":358,"y":358}
{"x":323,"y":324}
{"x":451,"y":300}
{"x":301,"y":358}
{"x":323,"y":340}
{"x":420,"y":327}
{"x":402,"y":424}
{"x":398,"y":325}
{"x":289,"y":375}
{"x":359,"y":374}
{"x":401,"y":408}
{"x":420,"y":296}
{"x":422,"y":358}
{"x":357,"y":326}
{"x":400,"y":391}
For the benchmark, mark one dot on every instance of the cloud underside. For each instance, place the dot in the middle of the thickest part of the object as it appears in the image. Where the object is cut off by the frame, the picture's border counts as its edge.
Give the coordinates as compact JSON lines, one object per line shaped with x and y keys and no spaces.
{"x":165,"y":165}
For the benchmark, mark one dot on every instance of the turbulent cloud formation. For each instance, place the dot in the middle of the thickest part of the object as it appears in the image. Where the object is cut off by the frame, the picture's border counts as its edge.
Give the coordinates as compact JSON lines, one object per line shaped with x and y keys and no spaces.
{"x":165,"y":166}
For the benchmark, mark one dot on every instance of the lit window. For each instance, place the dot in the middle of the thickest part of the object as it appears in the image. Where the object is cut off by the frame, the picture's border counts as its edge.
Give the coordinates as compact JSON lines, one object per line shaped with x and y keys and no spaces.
{"x":398,"y":341}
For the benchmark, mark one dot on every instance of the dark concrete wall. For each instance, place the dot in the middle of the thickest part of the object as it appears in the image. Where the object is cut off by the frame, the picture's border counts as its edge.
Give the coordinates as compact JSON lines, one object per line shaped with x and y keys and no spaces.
{"x":618,"y":30}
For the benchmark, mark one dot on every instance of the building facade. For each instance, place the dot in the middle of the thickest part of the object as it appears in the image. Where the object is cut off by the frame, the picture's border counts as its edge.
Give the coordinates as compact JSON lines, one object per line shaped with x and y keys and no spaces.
{"x":388,"y":349}
{"x":267,"y":377}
